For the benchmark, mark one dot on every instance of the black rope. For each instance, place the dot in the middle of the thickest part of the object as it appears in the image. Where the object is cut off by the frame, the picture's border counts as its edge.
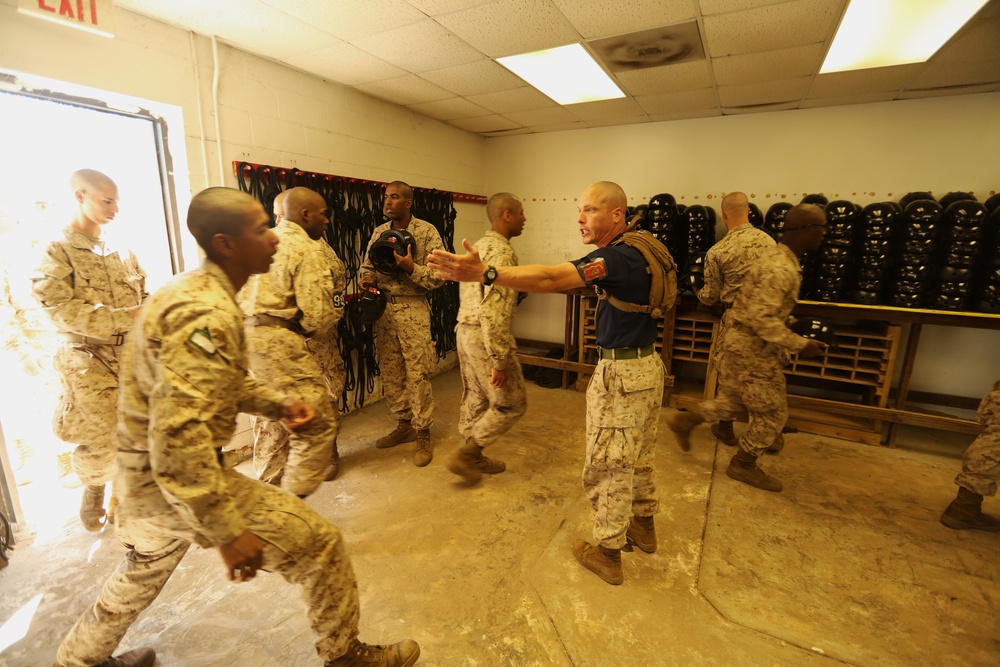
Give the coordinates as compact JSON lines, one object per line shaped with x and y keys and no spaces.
{"x":356,"y":208}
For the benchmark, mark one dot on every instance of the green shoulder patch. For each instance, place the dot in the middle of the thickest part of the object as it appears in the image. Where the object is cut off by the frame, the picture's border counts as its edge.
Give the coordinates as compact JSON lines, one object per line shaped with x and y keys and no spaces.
{"x":202,"y":339}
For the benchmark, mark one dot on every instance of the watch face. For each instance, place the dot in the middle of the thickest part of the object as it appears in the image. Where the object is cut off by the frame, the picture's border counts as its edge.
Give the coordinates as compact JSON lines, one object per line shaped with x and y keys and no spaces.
{"x":491,"y":274}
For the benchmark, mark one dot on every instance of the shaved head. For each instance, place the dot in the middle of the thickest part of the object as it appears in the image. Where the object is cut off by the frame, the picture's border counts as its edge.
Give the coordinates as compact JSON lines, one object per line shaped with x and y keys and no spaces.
{"x":219,"y":211}
{"x":802,"y":215}
{"x":606,"y":192}
{"x":735,"y":203}
{"x":404,"y":189}
{"x":279,"y":205}
{"x":90,"y":179}
{"x":298,"y":199}
{"x":499,"y":203}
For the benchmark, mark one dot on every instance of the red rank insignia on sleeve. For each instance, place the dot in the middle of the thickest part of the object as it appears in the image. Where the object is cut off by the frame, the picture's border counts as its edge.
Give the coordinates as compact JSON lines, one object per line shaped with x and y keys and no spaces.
{"x":594,"y":270}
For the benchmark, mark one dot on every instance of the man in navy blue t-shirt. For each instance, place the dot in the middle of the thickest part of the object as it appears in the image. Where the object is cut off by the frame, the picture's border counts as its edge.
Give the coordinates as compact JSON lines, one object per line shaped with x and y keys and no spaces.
{"x":626,"y":390}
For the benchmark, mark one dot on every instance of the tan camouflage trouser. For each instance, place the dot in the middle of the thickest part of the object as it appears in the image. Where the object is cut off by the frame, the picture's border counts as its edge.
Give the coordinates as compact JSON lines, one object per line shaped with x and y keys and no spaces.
{"x":87,"y":414}
{"x":406,"y":359}
{"x":751,"y":385}
{"x":300,"y":545}
{"x":487,"y":412}
{"x":623,"y":410}
{"x":281,"y":359}
{"x":981,"y":463}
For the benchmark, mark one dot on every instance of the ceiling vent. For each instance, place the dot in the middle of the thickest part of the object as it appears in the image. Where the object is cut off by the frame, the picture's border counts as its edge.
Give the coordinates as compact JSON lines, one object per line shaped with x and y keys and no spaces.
{"x":650,"y":48}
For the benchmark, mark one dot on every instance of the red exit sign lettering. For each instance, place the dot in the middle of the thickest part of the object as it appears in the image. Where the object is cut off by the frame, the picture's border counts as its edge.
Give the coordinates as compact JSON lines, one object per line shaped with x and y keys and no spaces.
{"x":91,"y":15}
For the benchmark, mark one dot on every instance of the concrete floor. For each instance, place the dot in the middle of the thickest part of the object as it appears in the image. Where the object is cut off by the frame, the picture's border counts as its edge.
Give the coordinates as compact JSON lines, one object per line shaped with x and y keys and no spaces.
{"x":848,"y":565}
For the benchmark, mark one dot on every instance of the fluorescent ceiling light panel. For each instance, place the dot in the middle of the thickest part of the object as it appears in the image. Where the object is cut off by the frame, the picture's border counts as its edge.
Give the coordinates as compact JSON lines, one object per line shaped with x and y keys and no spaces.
{"x":567,"y":74}
{"x":880,"y":33}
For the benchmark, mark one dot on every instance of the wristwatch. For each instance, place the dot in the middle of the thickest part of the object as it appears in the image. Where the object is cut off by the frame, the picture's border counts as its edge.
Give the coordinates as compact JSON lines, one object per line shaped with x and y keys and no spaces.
{"x":490,"y":275}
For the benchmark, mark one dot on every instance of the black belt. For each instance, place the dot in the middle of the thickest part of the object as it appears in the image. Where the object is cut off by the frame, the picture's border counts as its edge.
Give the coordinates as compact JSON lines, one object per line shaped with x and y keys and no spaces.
{"x":626,"y":352}
{"x":117,"y":339}
{"x":742,"y":328}
{"x":396,"y":298}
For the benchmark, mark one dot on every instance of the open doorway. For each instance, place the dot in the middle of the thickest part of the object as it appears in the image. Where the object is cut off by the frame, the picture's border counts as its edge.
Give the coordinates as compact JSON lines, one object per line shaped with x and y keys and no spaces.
{"x":45,"y":138}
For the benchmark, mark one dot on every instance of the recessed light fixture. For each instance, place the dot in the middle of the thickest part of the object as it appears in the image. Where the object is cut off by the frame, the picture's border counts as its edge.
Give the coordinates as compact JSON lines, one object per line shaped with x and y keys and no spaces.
{"x":567,"y":74}
{"x":880,"y":33}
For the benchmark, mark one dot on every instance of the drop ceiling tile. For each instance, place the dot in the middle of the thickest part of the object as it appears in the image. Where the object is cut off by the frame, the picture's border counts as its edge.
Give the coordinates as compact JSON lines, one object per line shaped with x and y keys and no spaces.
{"x":943,"y":75}
{"x":475,"y":78}
{"x":759,"y":108}
{"x":346,"y":64}
{"x":666,"y":79}
{"x":771,"y":27}
{"x":600,"y":18}
{"x":506,"y":133}
{"x":409,"y":89}
{"x":438,"y":7}
{"x":450,"y":109}
{"x":491,"y":123}
{"x":724,"y":6}
{"x":606,"y":109}
{"x":559,"y":127}
{"x":419,"y":47}
{"x":519,"y":99}
{"x":685,"y":101}
{"x":766,"y":65}
{"x":765,"y":92}
{"x":684,"y":115}
{"x":979,"y":42}
{"x":947,"y":92}
{"x":868,"y":98}
{"x":349,"y":19}
{"x":508,"y":27}
{"x":553,"y":115}
{"x":614,"y":122}
{"x":857,"y":82}
{"x":254,"y":27}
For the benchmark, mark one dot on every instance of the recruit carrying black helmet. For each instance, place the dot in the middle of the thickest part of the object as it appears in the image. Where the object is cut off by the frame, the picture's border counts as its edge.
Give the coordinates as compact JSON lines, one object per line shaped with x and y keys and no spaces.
{"x":371,"y":305}
{"x":810,"y":327}
{"x":389,"y":243}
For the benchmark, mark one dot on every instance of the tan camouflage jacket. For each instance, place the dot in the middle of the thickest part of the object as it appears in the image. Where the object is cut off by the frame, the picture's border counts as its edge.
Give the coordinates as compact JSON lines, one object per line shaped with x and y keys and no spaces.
{"x":299,"y":287}
{"x":422,"y":280}
{"x":86,"y":288}
{"x":491,"y":307}
{"x":988,"y":413}
{"x":183,"y":381}
{"x":727,"y":263}
{"x":770,"y":290}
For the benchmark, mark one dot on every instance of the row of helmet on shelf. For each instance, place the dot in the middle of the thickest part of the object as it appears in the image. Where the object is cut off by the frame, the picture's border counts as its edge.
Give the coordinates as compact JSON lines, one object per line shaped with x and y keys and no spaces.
{"x":919,"y":252}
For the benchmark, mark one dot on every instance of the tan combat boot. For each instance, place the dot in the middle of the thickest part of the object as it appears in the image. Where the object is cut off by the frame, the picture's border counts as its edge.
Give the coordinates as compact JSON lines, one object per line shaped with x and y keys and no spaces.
{"x":743,"y":468}
{"x":605,"y":563}
{"x":92,"y":508}
{"x":966,"y":512}
{"x":333,"y":468}
{"x":140,"y":657}
{"x":724,"y":432}
{"x":642,"y":533}
{"x":777,"y":445}
{"x":402,"y":654}
{"x":425,"y":450}
{"x":403,"y":433}
{"x":681,"y":424}
{"x":112,"y":508}
{"x":470,"y":464}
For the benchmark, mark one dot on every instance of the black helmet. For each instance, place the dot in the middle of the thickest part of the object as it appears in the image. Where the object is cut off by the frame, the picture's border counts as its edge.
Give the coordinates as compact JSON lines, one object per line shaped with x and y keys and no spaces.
{"x":952,"y":197}
{"x":391,"y":241}
{"x":755,"y":217}
{"x":905,"y":200}
{"x":371,"y":305}
{"x":815,"y":198}
{"x":811,"y":327}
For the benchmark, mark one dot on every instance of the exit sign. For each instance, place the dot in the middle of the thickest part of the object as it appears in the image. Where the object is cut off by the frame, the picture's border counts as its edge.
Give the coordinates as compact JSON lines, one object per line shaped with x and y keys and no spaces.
{"x":91,"y":15}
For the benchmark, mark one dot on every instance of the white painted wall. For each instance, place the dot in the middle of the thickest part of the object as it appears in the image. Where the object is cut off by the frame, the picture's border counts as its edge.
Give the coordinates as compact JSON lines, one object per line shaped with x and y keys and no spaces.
{"x":863,"y":153}
{"x":268,"y":113}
